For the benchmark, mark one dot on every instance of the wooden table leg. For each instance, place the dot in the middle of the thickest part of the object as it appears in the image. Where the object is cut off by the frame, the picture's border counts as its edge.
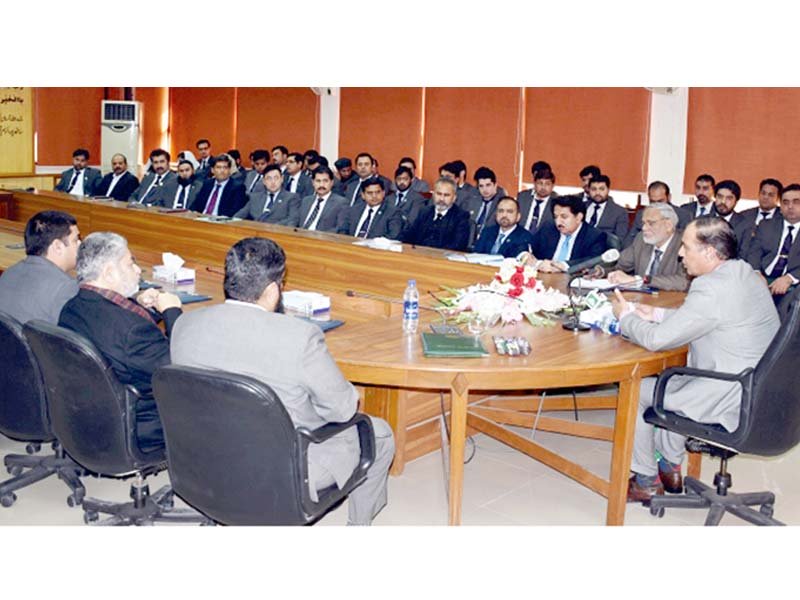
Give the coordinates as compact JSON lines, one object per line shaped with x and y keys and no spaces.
{"x":624,"y":427}
{"x":390,"y":405}
{"x":459,"y":393}
{"x":693,"y":464}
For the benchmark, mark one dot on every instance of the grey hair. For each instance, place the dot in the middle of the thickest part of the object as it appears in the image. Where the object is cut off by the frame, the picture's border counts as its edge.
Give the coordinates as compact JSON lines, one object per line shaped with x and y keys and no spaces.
{"x":96,"y":251}
{"x":447,"y":181}
{"x":666,"y":211}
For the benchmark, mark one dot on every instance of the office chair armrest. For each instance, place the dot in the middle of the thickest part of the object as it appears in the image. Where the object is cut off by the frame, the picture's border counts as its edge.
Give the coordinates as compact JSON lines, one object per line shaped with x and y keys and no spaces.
{"x":149,"y":462}
{"x":745,"y":378}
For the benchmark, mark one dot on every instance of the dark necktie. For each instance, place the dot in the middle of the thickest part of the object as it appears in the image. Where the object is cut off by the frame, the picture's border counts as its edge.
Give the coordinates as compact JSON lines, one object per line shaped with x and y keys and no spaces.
{"x":212,"y":202}
{"x":183,"y":197}
{"x":438,"y":217}
{"x":593,"y":220}
{"x":288,"y":185}
{"x":313,"y":215}
{"x":536,"y":214}
{"x":657,"y":254}
{"x":268,"y":204}
{"x":482,"y":214}
{"x":783,"y":255}
{"x":764,"y":216}
{"x":362,"y":232}
{"x":399,"y":200}
{"x":702,"y":211}
{"x":152,"y":189}
{"x":255,"y":181}
{"x":73,"y":181}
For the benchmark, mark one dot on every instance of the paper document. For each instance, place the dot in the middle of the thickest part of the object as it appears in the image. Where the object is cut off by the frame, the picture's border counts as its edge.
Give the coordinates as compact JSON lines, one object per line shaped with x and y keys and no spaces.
{"x":381,"y":243}
{"x":601,"y":284}
{"x":488,"y":260}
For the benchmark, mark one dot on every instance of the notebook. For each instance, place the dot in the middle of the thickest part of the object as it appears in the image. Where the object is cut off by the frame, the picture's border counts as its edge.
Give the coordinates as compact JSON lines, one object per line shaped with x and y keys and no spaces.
{"x":438,"y":345}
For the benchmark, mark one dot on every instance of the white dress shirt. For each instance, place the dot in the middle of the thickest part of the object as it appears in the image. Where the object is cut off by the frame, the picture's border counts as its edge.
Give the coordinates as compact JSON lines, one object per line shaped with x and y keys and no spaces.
{"x":313,"y":225}
{"x":542,"y":208}
{"x":77,"y":189}
{"x":364,"y":214}
{"x":760,"y":217}
{"x":114,"y":180}
{"x":795,"y":233}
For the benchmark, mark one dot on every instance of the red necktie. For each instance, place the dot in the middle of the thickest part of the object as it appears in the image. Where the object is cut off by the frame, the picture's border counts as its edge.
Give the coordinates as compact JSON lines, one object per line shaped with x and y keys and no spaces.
{"x":212,"y":203}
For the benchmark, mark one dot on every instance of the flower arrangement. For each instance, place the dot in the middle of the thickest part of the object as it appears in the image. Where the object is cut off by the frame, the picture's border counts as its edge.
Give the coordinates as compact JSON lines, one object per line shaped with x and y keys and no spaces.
{"x":513,"y":293}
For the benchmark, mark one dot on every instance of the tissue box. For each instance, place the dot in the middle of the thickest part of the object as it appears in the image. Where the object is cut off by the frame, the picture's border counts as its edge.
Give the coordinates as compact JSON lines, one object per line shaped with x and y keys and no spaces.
{"x":296,"y":300}
{"x":179,"y":277}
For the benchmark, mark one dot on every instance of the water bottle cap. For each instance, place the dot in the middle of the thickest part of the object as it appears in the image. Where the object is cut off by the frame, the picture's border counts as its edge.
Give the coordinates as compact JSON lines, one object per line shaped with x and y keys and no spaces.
{"x":412,"y":282}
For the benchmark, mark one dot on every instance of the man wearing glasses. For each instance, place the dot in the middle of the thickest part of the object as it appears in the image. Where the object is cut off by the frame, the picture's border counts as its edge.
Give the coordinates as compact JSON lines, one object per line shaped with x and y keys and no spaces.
{"x":652,"y":259}
{"x":774,"y":251}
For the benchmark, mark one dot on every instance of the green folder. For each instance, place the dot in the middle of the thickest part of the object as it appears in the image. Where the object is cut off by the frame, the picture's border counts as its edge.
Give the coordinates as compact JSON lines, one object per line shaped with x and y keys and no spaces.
{"x":439,"y":345}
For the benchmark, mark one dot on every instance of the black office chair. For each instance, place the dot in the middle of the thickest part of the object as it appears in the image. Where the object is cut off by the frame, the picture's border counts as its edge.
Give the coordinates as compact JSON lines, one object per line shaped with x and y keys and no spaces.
{"x":234,"y":453}
{"x":94,"y":418}
{"x":24,"y":417}
{"x":769,"y":425}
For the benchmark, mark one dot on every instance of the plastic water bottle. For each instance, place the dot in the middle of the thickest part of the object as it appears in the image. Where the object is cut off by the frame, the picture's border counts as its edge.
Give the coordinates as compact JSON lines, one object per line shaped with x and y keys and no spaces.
{"x":411,"y":307}
{"x":610,"y":326}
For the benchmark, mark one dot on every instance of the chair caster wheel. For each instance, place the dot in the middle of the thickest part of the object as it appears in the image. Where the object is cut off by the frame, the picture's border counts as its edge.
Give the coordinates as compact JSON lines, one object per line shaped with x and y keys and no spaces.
{"x":167,"y":503}
{"x":8,"y":500}
{"x":73,"y":500}
{"x":90,"y":516}
{"x":657,"y":511}
{"x":767,"y":510}
{"x":33,"y":448}
{"x":14,"y":470}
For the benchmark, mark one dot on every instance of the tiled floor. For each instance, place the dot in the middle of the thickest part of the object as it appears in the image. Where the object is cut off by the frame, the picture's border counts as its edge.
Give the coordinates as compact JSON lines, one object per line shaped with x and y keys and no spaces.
{"x":501,"y":487}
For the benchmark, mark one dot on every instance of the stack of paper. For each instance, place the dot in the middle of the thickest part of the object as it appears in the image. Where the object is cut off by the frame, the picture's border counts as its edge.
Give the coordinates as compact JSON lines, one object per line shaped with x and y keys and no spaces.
{"x":297,"y":301}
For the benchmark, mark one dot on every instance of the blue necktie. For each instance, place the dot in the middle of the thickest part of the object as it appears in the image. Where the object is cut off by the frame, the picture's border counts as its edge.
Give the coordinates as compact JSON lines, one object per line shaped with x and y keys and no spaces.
{"x":498,"y":242}
{"x":563,"y":253}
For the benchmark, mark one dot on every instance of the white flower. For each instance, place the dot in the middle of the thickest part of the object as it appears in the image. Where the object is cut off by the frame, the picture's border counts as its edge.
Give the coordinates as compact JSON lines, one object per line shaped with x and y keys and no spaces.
{"x":507,"y":268}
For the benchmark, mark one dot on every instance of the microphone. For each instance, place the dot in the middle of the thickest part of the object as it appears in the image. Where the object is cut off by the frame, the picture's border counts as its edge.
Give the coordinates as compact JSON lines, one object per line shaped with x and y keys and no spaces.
{"x":609,"y":256}
{"x":355,"y":294}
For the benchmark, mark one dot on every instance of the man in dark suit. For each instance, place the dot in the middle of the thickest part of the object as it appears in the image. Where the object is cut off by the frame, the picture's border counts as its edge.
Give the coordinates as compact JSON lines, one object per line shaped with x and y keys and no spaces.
{"x":181,"y":192}
{"x":482,"y":208}
{"x":568,"y":240}
{"x":294,"y":179}
{"x":364,"y":161}
{"x":238,"y":170}
{"x":506,"y":237}
{"x":252,"y":181}
{"x":703,"y":205}
{"x":204,"y":156}
{"x":534,"y":204}
{"x":323,"y":210}
{"x":125,"y":333}
{"x":373,"y":217}
{"x":653,"y":258}
{"x":726,"y":195}
{"x":587,"y":174}
{"x":344,"y":175}
{"x":220,"y":196}
{"x":603,"y":213}
{"x":443,"y":224}
{"x":119,"y":184}
{"x":270,"y":203}
{"x":409,"y":202}
{"x":418,"y":185}
{"x":657,"y":192}
{"x":774,"y":251}
{"x":150,"y":189}
{"x":280,"y":154}
{"x":769,"y":198}
{"x":81,"y":179}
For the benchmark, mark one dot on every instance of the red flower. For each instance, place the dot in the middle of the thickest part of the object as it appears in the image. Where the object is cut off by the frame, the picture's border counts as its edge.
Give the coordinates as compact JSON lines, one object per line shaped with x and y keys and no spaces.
{"x":531,"y":283}
{"x":498,"y":278}
{"x":515,"y":292}
{"x":520,"y":268}
{"x":517,"y":279}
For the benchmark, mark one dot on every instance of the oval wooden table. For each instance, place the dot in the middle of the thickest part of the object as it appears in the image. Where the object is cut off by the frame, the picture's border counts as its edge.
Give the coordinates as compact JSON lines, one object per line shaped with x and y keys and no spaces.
{"x":376,"y":353}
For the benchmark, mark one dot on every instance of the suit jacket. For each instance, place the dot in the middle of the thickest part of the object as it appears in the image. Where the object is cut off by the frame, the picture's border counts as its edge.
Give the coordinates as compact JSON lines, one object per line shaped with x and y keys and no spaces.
{"x":614,"y":219}
{"x":728,"y":319}
{"x":387,"y":221}
{"x":465,"y":193}
{"x":203,"y":173}
{"x":684,"y":217}
{"x":766,"y":245}
{"x":589,"y":243}
{"x":473,"y":205}
{"x":525,"y":200}
{"x":35,"y":288}
{"x":691,"y":207}
{"x":249,"y":179}
{"x":154,"y":197}
{"x":284,"y":210}
{"x":340,"y":185}
{"x":126,"y":185}
{"x":133,"y":346}
{"x":412,"y":204}
{"x":91,"y":179}
{"x":671,"y":275}
{"x":286,"y":353}
{"x":233,"y":197}
{"x":517,"y":241}
{"x":167,"y":196}
{"x":452,"y":232}
{"x":332,"y":213}
{"x":355,"y":183}
{"x":746,"y":227}
{"x":304,"y":185}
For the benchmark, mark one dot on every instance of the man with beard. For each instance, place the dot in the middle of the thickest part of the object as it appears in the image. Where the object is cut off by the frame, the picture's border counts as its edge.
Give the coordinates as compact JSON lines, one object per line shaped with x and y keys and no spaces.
{"x":404,"y":198}
{"x":533,"y":204}
{"x":443,"y":224}
{"x":505,"y":237}
{"x":344,"y":175}
{"x":150,"y":190}
{"x":81,"y":179}
{"x":657,"y":193}
{"x":417,"y":185}
{"x":180,"y":192}
{"x":605,"y":214}
{"x":465,"y":193}
{"x":125,"y":333}
{"x":769,"y":198}
{"x":280,"y":155}
{"x":726,"y":195}
{"x":652,"y":259}
{"x":249,"y":335}
{"x":703,"y":192}
{"x":119,"y":184}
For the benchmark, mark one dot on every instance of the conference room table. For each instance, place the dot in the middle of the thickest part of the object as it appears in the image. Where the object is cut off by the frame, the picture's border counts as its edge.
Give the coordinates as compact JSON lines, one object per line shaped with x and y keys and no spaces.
{"x":397,"y":382}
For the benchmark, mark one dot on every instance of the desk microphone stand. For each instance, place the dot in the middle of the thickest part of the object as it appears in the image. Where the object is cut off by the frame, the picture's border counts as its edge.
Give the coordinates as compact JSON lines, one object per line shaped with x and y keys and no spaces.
{"x":573,"y":323}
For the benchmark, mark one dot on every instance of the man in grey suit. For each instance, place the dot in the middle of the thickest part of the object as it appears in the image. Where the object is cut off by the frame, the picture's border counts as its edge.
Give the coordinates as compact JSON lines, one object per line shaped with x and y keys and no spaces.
{"x":409,"y":202}
{"x":294,"y":179}
{"x":534,"y":205}
{"x":727,"y":319}
{"x":457,"y":171}
{"x":374,"y":216}
{"x":703,"y":205}
{"x":323,"y":210}
{"x":150,"y":190}
{"x":38,"y":286}
{"x":181,"y":191}
{"x":270,"y":203}
{"x":482,"y":208}
{"x":253,"y":180}
{"x":81,"y":179}
{"x":769,"y":199}
{"x":363,"y":171}
{"x":249,"y":335}
{"x":657,"y":192}
{"x":603,"y":213}
{"x":652,"y":259}
{"x":774,"y":251}
{"x":418,"y":185}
